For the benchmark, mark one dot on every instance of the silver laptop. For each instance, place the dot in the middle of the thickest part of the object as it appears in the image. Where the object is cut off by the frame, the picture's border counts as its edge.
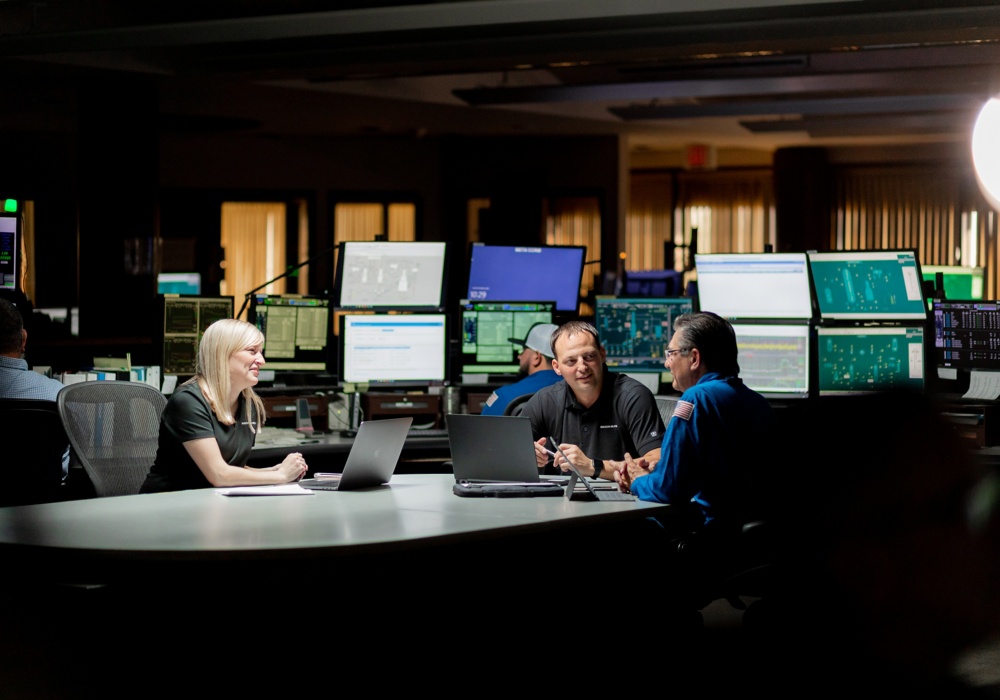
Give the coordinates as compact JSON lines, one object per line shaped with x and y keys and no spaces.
{"x":492,"y":448}
{"x":372,"y":459}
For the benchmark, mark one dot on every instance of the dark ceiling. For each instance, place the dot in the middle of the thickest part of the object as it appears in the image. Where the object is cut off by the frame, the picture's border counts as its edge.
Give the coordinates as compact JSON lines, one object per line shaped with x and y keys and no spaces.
{"x":749,"y":74}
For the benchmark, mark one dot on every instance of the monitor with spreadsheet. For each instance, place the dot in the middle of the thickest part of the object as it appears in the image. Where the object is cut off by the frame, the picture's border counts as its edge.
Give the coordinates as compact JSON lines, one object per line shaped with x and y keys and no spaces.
{"x":390,"y":275}
{"x":774,"y":359}
{"x":181,"y":323}
{"x":741,"y":286}
{"x":395,"y":349}
{"x":868,"y":285}
{"x":297,"y":331}
{"x":488,"y":326}
{"x":967,"y":334}
{"x":635,"y":331}
{"x":525,"y":273}
{"x":864,"y":359}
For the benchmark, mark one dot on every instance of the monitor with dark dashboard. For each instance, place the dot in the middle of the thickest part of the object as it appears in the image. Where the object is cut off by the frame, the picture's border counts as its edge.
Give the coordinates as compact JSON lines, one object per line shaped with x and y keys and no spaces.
{"x":393,"y":349}
{"x":10,"y":227}
{"x":526,"y":273}
{"x":635,"y":332}
{"x":488,"y":326}
{"x":390,"y":275}
{"x":181,"y":322}
{"x":297,"y":332}
{"x":967,"y":334}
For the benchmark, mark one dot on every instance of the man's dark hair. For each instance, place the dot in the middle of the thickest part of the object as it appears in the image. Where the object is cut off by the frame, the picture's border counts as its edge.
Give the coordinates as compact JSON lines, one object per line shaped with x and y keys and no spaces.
{"x":572,"y":328}
{"x":713,"y":336}
{"x":11,"y":325}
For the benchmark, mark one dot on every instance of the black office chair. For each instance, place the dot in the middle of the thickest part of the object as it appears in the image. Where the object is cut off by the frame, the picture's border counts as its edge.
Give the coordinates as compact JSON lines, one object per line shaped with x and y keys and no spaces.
{"x":516,"y":404}
{"x":33,"y":454}
{"x":113,"y":428}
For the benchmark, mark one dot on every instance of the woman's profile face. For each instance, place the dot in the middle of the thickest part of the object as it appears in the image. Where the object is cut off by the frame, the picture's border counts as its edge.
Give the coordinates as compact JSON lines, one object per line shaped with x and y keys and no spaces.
{"x":244,"y":367}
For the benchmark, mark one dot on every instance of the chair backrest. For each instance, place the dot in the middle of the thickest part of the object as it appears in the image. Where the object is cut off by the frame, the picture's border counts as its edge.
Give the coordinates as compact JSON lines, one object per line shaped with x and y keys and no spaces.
{"x":114,"y":429}
{"x":516,"y":403}
{"x":32,"y":454}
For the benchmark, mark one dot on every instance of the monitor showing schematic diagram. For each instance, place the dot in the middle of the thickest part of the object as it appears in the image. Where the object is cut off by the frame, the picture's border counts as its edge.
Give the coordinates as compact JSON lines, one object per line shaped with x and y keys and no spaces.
{"x":182,"y":321}
{"x":390,"y":275}
{"x":635,"y":332}
{"x":859,"y":359}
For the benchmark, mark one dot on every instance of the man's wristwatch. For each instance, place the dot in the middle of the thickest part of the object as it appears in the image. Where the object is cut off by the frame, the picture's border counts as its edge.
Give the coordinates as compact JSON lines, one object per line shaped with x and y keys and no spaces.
{"x":598,"y":467}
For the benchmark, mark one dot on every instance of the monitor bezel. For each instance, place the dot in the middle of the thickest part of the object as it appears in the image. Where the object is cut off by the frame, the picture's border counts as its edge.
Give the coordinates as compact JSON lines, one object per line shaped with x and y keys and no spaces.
{"x":905,"y":317}
{"x":392,"y":383}
{"x":808,"y":312}
{"x":275,"y":365}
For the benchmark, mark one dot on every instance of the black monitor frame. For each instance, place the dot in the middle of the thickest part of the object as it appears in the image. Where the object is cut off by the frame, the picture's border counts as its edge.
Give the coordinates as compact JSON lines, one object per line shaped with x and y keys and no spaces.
{"x":283,"y":356}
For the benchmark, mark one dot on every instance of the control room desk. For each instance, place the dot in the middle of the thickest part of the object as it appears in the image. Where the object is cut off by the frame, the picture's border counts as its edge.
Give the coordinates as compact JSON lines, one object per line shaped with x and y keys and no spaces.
{"x":328,"y":452}
{"x":170,"y":536}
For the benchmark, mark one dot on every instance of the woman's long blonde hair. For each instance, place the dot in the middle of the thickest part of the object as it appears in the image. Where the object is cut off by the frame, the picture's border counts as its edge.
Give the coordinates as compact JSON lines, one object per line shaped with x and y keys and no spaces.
{"x":220,"y":341}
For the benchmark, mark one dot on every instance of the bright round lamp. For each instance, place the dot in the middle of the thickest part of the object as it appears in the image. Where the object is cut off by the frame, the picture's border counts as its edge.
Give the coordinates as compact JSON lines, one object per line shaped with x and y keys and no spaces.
{"x":986,"y":151}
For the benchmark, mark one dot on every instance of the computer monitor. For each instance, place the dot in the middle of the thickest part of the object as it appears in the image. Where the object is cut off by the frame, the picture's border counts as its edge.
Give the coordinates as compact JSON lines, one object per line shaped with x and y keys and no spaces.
{"x":959,"y":282}
{"x":10,"y":228}
{"x":658,"y":284}
{"x":774,"y":358}
{"x":182,"y":321}
{"x":297,"y":331}
{"x":178,"y":283}
{"x":742,"y":286}
{"x":390,"y":275}
{"x":487,"y":327}
{"x":525,"y":273}
{"x":865,"y":359}
{"x":868,"y":285}
{"x":393,"y":349}
{"x":635,"y":332}
{"x":967,"y":334}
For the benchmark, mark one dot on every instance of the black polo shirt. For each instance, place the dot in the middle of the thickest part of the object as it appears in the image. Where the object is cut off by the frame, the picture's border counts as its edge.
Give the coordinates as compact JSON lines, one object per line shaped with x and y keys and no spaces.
{"x":624,"y":418}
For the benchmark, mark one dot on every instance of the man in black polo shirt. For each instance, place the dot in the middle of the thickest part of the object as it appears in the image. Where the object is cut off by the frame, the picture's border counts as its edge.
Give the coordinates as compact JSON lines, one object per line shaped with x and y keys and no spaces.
{"x":596,"y":416}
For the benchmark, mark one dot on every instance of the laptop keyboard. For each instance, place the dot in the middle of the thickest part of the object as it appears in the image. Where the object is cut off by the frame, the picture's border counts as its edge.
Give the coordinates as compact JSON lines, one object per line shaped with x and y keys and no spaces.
{"x":427,"y":432}
{"x":610,"y":495}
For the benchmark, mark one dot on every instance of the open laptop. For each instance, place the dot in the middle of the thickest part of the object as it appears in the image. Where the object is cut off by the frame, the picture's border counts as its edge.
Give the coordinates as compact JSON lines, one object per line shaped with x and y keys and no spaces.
{"x":492,"y":448}
{"x":372,"y":459}
{"x":603,"y":494}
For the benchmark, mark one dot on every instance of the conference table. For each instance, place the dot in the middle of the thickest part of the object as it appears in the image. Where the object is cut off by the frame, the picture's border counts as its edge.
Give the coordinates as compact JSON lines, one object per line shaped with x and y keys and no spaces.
{"x":113,"y":539}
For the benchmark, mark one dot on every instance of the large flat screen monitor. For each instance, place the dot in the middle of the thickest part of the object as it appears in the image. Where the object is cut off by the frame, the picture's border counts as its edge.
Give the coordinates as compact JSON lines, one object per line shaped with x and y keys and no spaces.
{"x":635,"y":332}
{"x":9,"y":243}
{"x":182,"y":321}
{"x":297,"y":332}
{"x":774,"y":358}
{"x":741,"y":286}
{"x":868,"y":285}
{"x":390,"y":275}
{"x":858,"y":360}
{"x":967,"y":334}
{"x":488,"y":326}
{"x":397,"y":349}
{"x":525,"y":273}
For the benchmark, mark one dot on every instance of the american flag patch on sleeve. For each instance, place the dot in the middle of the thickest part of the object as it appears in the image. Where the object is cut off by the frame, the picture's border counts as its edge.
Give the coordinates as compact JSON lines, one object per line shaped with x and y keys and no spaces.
{"x":683,"y":409}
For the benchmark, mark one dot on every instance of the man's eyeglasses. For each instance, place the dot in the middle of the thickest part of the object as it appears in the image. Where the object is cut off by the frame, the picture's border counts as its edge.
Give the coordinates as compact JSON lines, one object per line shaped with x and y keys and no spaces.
{"x":671,"y":353}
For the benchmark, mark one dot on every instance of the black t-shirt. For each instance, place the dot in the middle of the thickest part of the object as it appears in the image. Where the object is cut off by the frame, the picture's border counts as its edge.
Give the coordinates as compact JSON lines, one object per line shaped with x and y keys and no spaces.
{"x":187,"y":416}
{"x":624,"y":418}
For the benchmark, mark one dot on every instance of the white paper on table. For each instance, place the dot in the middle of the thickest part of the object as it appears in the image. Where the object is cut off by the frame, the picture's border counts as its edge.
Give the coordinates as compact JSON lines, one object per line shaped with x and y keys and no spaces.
{"x":983,"y":385}
{"x":269,"y":490}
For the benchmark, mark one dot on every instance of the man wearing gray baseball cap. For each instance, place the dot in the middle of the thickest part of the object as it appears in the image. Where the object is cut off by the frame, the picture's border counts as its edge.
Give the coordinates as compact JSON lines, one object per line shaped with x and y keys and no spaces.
{"x":535,"y":369}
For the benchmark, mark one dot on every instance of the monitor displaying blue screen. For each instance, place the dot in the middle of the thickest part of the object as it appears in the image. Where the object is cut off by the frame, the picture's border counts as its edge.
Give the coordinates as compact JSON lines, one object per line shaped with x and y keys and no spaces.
{"x":297,"y":331}
{"x":741,"y":286}
{"x":774,"y":359}
{"x":868,"y":285}
{"x":857,"y":360}
{"x":635,"y":331}
{"x":393,"y":348}
{"x":488,"y":326}
{"x":525,"y":273}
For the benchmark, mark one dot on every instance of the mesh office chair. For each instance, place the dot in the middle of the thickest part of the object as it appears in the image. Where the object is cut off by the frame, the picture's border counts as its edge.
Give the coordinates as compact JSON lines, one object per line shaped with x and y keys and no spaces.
{"x":33,"y":454}
{"x":113,"y":428}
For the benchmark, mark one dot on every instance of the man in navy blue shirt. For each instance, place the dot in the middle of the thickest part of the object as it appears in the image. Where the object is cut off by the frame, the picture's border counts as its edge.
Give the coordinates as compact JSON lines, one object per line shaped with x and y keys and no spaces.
{"x":718,"y":435}
{"x":535,"y":369}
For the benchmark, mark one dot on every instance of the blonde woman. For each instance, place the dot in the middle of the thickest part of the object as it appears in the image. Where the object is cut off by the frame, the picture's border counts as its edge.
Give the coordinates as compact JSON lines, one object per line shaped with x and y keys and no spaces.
{"x":209,"y":424}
